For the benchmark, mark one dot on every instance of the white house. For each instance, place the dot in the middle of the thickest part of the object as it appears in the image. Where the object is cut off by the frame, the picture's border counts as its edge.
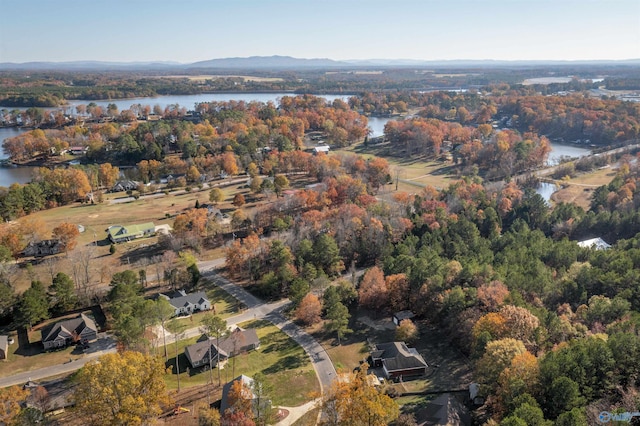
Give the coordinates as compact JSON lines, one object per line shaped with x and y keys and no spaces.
{"x":187,"y":304}
{"x":595,"y":243}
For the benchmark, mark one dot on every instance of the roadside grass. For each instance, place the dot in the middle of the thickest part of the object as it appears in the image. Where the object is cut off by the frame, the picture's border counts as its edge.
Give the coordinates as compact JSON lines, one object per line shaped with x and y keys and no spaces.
{"x":32,"y":357}
{"x":284,"y":363}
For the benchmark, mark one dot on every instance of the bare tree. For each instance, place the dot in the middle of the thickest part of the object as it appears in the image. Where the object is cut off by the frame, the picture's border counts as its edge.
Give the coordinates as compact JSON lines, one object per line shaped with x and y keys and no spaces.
{"x":156,"y":261}
{"x":50,"y":264}
{"x":168,"y":259}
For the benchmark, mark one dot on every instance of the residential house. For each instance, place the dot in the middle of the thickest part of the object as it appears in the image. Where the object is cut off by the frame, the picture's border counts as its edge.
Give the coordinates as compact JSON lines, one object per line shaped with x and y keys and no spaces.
{"x":247,"y":388}
{"x":321,"y":148}
{"x":445,"y":410}
{"x":78,"y":150}
{"x":120,"y":233}
{"x":4,"y":347}
{"x":63,"y":333}
{"x":401,"y":316}
{"x":43,"y":248}
{"x":595,"y":244}
{"x":187,"y":303}
{"x":124,"y":185}
{"x":398,"y":361}
{"x":237,"y":342}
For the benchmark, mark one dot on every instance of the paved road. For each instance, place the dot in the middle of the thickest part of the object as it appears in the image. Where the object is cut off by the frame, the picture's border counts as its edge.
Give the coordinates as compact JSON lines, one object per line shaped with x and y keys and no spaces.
{"x":272,"y":312}
{"x":205,"y":186}
{"x":101,"y":347}
{"x":256,"y":309}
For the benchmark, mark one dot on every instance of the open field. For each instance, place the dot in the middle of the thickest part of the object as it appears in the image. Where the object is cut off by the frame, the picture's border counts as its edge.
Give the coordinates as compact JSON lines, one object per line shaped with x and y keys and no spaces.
{"x":412,"y":173}
{"x":578,"y":190}
{"x":284,"y":363}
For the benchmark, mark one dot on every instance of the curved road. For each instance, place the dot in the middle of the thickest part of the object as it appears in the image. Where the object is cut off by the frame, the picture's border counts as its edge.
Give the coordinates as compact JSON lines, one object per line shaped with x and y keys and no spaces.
{"x":256,"y":309}
{"x":272,"y":312}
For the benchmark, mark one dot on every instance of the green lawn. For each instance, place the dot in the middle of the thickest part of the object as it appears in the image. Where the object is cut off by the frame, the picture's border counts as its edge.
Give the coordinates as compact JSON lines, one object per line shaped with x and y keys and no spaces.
{"x":280,"y":358}
{"x":225,"y":304}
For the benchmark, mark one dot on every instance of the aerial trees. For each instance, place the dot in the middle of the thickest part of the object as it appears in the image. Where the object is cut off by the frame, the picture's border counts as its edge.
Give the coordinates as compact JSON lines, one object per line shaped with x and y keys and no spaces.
{"x":353,"y":400}
{"x":121,"y":389}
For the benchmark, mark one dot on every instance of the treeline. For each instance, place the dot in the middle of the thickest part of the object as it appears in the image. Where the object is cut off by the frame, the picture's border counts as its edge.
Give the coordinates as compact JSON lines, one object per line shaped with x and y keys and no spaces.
{"x":543,"y":319}
{"x":564,"y":118}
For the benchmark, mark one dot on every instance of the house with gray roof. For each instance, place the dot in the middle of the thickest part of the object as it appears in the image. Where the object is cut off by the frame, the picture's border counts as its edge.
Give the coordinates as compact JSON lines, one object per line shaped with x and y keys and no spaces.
{"x":124,"y":185}
{"x":43,"y":248}
{"x":237,"y":342}
{"x":187,"y":303}
{"x":398,"y":360}
{"x":4,"y":347}
{"x":63,"y":333}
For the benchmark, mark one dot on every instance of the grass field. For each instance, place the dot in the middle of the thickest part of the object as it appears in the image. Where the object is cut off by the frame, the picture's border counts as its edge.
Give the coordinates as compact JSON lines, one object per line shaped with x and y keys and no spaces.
{"x":579,"y":189}
{"x":284,"y":363}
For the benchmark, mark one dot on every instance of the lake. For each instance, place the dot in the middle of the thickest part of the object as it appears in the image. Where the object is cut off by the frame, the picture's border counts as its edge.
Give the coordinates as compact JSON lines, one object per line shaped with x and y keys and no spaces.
{"x":187,"y":101}
{"x":9,"y":175}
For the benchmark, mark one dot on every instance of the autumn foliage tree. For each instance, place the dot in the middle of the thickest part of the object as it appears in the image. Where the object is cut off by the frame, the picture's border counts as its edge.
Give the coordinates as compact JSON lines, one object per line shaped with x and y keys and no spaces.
{"x":309,"y":310}
{"x":239,"y":411}
{"x":406,"y":331}
{"x":497,"y":356}
{"x":372,"y":292}
{"x":353,"y":400}
{"x":121,"y":389}
{"x":66,"y":233}
{"x":11,"y":400}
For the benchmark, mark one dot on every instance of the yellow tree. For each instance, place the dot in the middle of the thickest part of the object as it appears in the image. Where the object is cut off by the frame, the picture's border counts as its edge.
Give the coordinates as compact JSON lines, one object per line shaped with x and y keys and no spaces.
{"x":353,"y":400}
{"x":108,"y":175}
{"x":121,"y":389}
{"x":522,"y":376}
{"x":229,"y":163}
{"x":11,"y":399}
{"x":497,"y":356}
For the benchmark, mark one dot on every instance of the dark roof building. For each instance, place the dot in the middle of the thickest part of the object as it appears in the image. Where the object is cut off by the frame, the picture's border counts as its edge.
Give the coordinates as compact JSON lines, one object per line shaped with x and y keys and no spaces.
{"x":401,"y":316}
{"x":63,"y":333}
{"x":445,"y":410}
{"x":237,"y":342}
{"x":43,"y":248}
{"x":398,"y":360}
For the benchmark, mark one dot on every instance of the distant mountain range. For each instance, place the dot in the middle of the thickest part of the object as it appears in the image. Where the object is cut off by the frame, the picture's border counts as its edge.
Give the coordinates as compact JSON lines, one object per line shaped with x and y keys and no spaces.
{"x":288,"y":62}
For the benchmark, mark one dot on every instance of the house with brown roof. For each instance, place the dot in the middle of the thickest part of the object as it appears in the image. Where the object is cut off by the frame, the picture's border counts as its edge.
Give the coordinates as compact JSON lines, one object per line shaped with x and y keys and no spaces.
{"x":398,"y":361}
{"x":237,"y":342}
{"x":64,"y":333}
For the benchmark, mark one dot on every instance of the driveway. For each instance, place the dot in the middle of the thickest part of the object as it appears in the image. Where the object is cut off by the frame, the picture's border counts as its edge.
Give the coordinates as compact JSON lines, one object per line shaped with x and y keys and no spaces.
{"x":96,"y":349}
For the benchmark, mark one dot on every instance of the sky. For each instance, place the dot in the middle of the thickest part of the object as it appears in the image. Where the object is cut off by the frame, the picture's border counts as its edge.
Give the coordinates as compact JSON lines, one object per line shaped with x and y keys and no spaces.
{"x":188,"y":31}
